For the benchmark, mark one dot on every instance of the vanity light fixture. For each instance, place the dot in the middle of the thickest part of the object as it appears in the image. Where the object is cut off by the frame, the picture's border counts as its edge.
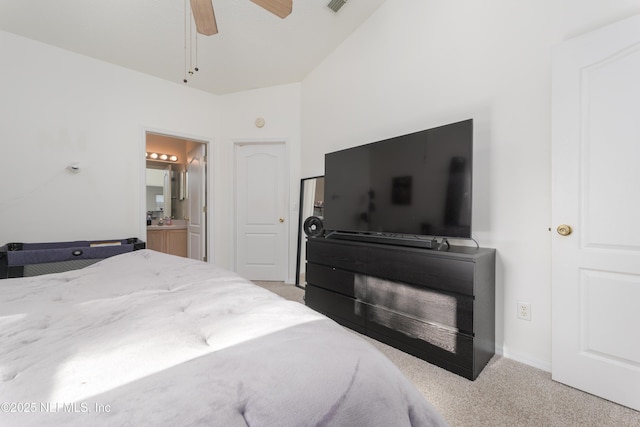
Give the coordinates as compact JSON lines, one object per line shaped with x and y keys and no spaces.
{"x":162,"y":157}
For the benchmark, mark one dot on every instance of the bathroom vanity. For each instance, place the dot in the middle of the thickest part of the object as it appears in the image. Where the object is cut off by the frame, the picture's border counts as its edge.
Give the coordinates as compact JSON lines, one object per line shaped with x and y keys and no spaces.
{"x":170,"y":239}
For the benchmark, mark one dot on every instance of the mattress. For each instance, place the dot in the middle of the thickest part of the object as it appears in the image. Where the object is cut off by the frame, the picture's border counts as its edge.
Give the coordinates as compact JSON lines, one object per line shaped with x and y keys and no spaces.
{"x":145,"y":338}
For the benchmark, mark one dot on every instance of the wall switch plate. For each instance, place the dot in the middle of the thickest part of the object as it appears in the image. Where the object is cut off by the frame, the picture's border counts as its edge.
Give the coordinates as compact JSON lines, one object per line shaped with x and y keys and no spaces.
{"x":524,"y":311}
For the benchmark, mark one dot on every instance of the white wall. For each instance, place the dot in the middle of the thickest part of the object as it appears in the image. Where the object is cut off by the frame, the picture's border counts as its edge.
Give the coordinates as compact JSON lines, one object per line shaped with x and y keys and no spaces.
{"x":57,"y":108}
{"x":280,"y":108}
{"x":418,"y":64}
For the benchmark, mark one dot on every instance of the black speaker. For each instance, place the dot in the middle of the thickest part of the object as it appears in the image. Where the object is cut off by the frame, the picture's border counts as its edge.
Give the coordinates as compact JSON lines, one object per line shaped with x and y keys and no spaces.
{"x":313,"y":226}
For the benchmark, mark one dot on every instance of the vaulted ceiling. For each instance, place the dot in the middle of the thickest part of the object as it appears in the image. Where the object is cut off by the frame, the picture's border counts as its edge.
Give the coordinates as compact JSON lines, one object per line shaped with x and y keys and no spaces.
{"x":253,"y":48}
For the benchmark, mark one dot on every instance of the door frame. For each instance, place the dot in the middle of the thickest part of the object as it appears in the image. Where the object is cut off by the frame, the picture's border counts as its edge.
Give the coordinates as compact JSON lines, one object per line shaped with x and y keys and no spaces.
{"x":237,"y":142}
{"x":209,"y":195}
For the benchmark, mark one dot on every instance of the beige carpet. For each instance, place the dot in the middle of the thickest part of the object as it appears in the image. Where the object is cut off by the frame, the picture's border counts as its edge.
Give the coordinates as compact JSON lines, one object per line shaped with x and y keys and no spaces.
{"x":506,"y":393}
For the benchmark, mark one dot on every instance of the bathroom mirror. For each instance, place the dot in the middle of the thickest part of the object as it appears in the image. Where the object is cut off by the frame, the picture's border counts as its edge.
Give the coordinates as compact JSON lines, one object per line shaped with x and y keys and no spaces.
{"x":311,"y":204}
{"x":166,"y":190}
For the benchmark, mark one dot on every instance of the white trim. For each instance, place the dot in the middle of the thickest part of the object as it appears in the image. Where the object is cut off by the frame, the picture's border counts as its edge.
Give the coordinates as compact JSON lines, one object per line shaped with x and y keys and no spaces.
{"x":209,"y":215}
{"x":525,"y":359}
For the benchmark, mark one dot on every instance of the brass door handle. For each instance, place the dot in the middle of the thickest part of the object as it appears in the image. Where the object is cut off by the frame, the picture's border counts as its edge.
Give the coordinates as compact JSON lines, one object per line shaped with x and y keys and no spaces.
{"x":564,"y":229}
{"x":281,"y":220}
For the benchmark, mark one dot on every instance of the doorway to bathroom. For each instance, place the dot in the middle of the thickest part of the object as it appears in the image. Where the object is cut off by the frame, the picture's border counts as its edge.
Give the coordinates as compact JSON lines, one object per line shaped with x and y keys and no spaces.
{"x":176,"y":195}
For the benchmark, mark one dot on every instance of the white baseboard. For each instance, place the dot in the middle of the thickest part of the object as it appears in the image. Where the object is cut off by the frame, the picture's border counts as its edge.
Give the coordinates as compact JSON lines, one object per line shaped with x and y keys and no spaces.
{"x":525,"y":359}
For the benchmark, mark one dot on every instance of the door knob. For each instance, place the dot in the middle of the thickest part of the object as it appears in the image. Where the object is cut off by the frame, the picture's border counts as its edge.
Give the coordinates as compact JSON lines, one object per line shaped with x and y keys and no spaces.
{"x":564,"y":229}
{"x":281,"y":220}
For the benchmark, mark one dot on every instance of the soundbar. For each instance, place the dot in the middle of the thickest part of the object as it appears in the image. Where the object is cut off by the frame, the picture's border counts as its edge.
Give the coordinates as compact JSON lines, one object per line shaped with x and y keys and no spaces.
{"x":390,"y":239}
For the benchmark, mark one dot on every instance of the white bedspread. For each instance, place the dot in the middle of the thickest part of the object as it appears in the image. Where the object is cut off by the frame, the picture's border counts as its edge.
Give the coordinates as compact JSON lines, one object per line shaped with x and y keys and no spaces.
{"x":146,"y":338}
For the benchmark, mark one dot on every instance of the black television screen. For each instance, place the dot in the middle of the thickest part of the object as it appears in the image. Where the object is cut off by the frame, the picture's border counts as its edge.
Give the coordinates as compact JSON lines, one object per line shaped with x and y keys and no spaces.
{"x":415,"y":184}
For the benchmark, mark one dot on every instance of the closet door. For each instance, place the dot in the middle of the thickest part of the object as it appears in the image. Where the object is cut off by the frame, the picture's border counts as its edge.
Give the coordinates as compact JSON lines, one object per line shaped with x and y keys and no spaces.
{"x":261,"y":211}
{"x":596,"y":209}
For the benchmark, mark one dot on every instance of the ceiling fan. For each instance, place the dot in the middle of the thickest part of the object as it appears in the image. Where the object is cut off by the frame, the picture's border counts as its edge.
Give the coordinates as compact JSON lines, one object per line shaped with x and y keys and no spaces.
{"x":205,"y":18}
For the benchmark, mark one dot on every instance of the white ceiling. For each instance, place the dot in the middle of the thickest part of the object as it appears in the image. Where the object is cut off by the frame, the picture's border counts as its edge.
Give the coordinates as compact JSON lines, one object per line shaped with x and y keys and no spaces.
{"x":253,"y":48}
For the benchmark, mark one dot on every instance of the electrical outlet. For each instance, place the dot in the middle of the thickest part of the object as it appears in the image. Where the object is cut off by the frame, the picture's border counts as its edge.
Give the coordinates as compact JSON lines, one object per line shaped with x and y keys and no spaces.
{"x":524,"y":311}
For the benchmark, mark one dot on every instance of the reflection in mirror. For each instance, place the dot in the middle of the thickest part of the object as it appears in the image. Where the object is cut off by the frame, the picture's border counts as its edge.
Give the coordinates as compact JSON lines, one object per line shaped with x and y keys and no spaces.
{"x":311,"y":204}
{"x":166,"y":190}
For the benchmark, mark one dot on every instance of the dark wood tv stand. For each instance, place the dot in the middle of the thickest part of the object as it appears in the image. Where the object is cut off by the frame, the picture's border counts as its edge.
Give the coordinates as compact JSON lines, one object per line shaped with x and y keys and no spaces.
{"x":436,"y":305}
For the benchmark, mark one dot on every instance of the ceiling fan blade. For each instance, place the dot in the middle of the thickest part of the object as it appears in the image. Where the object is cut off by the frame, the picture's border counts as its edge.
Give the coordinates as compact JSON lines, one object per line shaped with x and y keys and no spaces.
{"x":205,"y":18}
{"x":281,"y":8}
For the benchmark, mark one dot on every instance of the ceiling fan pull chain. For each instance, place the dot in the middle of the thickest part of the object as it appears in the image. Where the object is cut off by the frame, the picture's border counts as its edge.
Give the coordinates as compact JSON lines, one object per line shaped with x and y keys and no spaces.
{"x":185,"y":42}
{"x":190,"y":46}
{"x":196,"y":68}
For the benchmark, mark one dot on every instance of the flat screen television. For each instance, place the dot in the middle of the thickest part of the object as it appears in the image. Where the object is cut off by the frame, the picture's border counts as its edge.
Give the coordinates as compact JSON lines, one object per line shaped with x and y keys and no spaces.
{"x":404,"y":187}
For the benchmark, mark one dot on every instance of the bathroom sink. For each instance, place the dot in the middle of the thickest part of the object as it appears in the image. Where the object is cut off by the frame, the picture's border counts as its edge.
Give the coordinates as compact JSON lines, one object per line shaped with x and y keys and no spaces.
{"x":167,"y":227}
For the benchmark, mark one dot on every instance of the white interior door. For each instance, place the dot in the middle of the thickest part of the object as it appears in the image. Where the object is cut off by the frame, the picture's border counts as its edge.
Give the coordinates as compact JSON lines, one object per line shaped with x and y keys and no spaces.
{"x":261,"y":239}
{"x":196,"y":206}
{"x":596,"y":173}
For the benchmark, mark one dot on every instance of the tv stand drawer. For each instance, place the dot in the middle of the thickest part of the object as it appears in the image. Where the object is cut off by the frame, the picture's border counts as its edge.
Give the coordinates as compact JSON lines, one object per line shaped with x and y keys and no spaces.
{"x":347,"y":311}
{"x":450,"y":310}
{"x":346,"y":257}
{"x":332,"y":279}
{"x":422,"y":267}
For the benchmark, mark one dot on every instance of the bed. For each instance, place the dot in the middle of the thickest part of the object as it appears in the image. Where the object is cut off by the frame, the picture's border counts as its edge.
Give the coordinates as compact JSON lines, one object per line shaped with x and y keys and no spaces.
{"x":145,"y":338}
